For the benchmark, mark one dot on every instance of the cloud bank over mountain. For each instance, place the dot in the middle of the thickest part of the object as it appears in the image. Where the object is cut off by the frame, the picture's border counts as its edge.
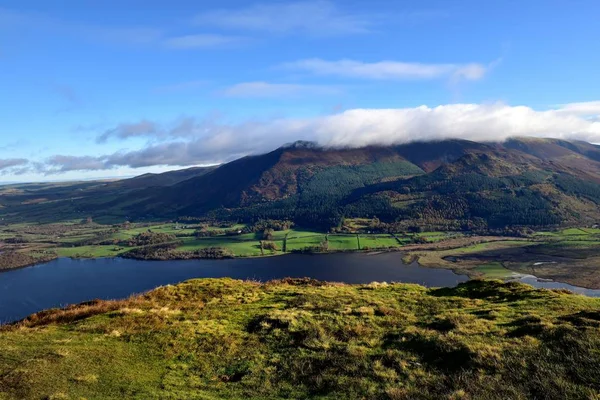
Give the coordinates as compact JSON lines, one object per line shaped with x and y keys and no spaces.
{"x":190,"y":141}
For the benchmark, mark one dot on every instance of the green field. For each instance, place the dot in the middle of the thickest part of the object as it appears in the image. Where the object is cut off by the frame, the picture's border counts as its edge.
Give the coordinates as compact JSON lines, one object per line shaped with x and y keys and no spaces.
{"x":77,"y":240}
{"x":239,"y":246}
{"x":494,"y":271}
{"x":378,"y":241}
{"x":584,"y":232}
{"x":303,"y":239}
{"x":90,"y":251}
{"x":344,"y":242}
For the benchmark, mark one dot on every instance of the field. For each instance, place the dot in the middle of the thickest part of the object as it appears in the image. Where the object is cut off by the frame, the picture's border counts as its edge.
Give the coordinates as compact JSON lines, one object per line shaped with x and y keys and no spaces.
{"x":241,"y":246}
{"x":210,"y":339}
{"x":85,"y":241}
{"x":570,"y":255}
{"x":494,"y":271}
{"x":95,"y":251}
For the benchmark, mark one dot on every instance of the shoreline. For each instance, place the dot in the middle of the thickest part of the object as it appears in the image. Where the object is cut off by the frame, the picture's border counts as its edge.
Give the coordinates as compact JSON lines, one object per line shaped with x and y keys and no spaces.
{"x":514,"y":276}
{"x":279,"y":254}
{"x":28,"y":265}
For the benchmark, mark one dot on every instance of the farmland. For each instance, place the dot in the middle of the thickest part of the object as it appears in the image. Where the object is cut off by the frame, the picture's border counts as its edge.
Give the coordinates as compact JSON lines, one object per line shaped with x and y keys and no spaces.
{"x":571,"y":255}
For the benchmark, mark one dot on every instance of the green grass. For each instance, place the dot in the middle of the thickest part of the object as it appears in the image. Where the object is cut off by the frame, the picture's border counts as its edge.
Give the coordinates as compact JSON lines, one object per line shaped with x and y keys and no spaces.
{"x":90,"y":251}
{"x":434,"y":237}
{"x":220,"y":338}
{"x":240,"y":248}
{"x":295,"y":233}
{"x":575,"y":232}
{"x":163,"y":228}
{"x":299,"y":242}
{"x":343,"y":242}
{"x":569,"y":233}
{"x":494,"y":271}
{"x":492,"y":246}
{"x":378,"y":241}
{"x":82,"y":358}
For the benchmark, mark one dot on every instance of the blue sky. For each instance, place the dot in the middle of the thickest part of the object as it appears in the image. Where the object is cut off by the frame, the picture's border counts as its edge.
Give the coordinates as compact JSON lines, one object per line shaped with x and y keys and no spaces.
{"x":116,"y":88}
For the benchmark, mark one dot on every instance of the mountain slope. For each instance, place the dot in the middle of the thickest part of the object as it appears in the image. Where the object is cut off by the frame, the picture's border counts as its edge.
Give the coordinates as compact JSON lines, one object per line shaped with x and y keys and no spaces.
{"x":42,"y":202}
{"x":541,"y":185}
{"x":452,"y":184}
{"x":277,"y":175}
{"x":163,"y":179}
{"x":577,"y":158}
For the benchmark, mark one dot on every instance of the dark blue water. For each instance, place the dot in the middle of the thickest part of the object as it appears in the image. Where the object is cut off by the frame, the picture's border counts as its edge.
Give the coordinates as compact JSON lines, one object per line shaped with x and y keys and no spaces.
{"x":65,"y":281}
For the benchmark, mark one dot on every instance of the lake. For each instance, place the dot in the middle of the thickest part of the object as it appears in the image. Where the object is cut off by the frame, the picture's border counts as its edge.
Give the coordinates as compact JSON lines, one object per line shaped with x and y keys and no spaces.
{"x":65,"y":281}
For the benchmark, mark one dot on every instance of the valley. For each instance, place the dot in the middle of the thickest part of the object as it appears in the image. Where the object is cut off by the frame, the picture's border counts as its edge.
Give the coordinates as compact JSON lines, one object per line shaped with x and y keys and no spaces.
{"x":509,"y":231}
{"x":569,"y":255}
{"x":299,"y":199}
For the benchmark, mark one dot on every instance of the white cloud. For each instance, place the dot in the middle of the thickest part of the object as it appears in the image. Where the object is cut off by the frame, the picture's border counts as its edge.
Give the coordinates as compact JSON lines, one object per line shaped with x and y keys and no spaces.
{"x":589,"y":108}
{"x":14,"y":166}
{"x":185,"y":128}
{"x":479,"y":122}
{"x":192,"y":142}
{"x":277,"y":90}
{"x":317,"y":18}
{"x":127,"y":130}
{"x":388,"y":70}
{"x":6,"y":163}
{"x":76,"y":163}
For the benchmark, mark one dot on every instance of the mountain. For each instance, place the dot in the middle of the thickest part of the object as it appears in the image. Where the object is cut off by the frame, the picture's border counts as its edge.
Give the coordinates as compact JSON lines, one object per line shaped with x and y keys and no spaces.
{"x":278,"y":175}
{"x":451,"y":184}
{"x":43,"y":202}
{"x":521,"y":182}
{"x":157,"y":180}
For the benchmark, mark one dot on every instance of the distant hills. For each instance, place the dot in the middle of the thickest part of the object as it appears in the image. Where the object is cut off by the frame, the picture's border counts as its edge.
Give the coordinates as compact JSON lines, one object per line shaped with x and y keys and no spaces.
{"x":451,"y":184}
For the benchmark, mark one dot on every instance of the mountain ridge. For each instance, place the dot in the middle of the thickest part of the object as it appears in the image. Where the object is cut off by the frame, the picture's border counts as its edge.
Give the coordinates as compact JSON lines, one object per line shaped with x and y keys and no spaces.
{"x":449,"y":184}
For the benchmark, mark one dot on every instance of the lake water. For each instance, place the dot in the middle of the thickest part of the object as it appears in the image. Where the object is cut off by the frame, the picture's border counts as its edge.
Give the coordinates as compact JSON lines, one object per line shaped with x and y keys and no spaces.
{"x":64,"y":281}
{"x":546,"y":284}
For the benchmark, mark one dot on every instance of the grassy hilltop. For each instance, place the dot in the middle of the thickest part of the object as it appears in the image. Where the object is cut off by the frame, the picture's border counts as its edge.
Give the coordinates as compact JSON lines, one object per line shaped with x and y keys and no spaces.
{"x":221,"y":338}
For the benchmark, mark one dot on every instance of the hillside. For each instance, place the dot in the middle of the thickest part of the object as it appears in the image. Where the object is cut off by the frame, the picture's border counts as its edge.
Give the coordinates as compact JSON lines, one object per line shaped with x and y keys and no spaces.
{"x":159,"y":180}
{"x":207,"y":339}
{"x":277,"y":175}
{"x":300,"y":181}
{"x":447,"y":185}
{"x":436,"y":185}
{"x":541,"y":184}
{"x":55,"y":201}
